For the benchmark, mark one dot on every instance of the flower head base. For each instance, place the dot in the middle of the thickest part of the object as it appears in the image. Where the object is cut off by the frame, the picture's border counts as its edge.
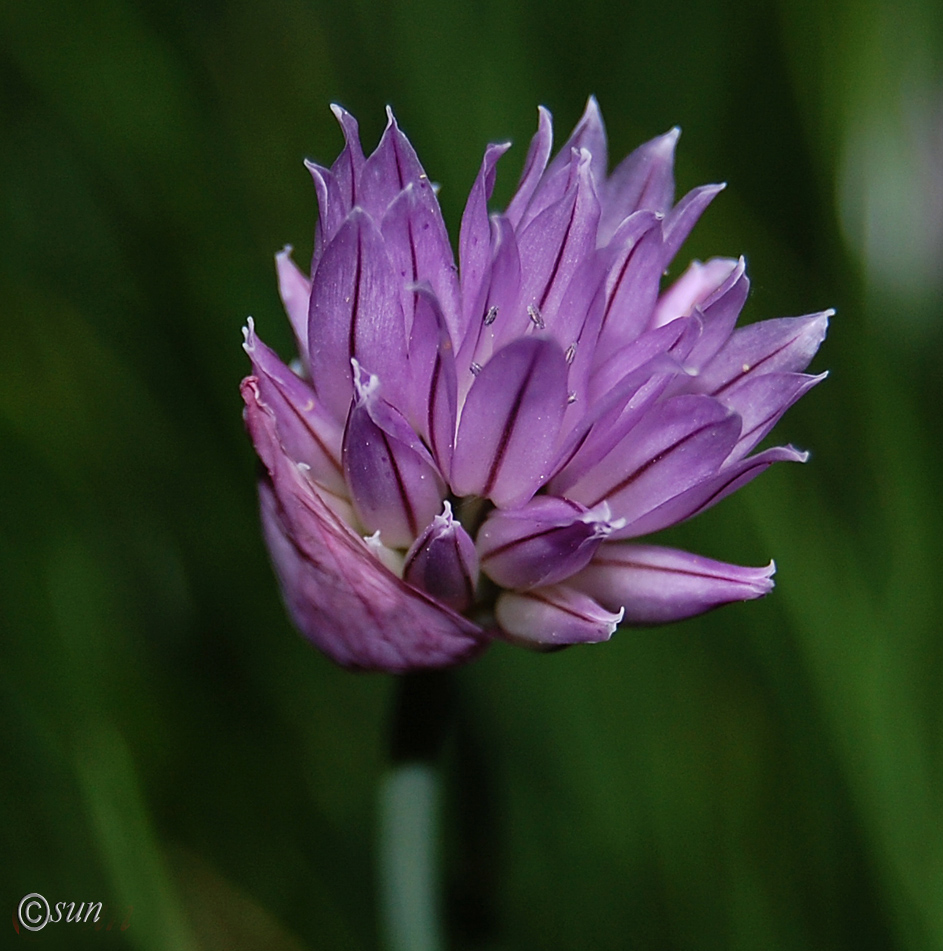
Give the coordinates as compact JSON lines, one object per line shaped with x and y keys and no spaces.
{"x":467,"y":452}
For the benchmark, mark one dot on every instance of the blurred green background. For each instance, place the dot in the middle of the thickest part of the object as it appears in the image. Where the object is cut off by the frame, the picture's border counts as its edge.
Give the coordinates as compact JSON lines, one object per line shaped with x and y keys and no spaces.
{"x":769,"y":776}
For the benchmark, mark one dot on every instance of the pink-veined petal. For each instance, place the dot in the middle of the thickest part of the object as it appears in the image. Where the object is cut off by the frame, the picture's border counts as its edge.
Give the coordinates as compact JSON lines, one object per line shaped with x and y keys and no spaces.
{"x":474,"y":243}
{"x":510,"y":423}
{"x":338,"y":594}
{"x":543,"y":542}
{"x":443,"y":562}
{"x":677,"y":444}
{"x":658,"y":585}
{"x":552,"y":617}
{"x":307,"y":431}
{"x":784,"y":344}
{"x":356,"y":312}
{"x":393,"y":481}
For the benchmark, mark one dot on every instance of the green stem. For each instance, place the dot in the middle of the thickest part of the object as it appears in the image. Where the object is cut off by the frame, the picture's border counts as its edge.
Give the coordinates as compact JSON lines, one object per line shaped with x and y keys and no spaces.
{"x":409,"y":798}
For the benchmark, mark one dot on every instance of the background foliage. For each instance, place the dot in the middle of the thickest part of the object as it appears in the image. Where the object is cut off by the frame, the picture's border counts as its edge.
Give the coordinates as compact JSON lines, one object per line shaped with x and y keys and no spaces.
{"x":769,"y":776}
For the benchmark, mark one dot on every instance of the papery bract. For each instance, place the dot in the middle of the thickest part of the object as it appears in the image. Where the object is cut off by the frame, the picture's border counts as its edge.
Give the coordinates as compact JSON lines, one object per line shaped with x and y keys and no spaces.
{"x":460,"y":452}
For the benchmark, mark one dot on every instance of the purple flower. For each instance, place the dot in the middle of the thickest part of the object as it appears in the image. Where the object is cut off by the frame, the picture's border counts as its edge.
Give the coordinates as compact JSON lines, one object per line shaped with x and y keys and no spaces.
{"x":464,"y":452}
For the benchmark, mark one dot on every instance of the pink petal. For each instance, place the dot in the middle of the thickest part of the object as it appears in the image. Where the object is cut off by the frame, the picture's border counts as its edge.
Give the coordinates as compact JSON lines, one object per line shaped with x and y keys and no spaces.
{"x":657,"y":585}
{"x":507,"y":435}
{"x":338,"y":594}
{"x":556,"y":616}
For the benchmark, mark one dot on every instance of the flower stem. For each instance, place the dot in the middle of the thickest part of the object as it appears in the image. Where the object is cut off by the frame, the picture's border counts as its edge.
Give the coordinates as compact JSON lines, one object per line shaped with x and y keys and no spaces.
{"x":409,"y":797}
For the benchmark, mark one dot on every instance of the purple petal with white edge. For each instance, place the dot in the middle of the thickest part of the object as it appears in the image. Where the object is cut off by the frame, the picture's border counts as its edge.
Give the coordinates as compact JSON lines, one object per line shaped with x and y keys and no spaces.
{"x":434,"y":386}
{"x":554,"y":244}
{"x":295,"y":291}
{"x":510,"y":423}
{"x":673,"y":340}
{"x":474,"y":243}
{"x":719,"y":313}
{"x":709,"y":492}
{"x":577,"y":322}
{"x":684,"y":216}
{"x":391,"y":167}
{"x":555,"y":616}
{"x":348,"y":167}
{"x":307,"y":432}
{"x":677,"y":444}
{"x":419,"y":250}
{"x":337,"y":592}
{"x":624,"y":385}
{"x":443,"y":562}
{"x":642,"y":180}
{"x":658,"y":585}
{"x":698,"y":283}
{"x":534,"y":165}
{"x":607,"y":423}
{"x":784,"y":344}
{"x":589,"y":134}
{"x":542,"y":543}
{"x":761,"y":401}
{"x":332,"y":210}
{"x":394,"y":484}
{"x":355,"y":312}
{"x":632,"y":282}
{"x":498,"y":326}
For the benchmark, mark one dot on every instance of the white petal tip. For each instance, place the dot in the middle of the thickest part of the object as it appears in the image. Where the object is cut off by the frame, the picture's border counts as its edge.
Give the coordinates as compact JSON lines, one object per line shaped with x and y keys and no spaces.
{"x":248,"y":336}
{"x":365,"y":387}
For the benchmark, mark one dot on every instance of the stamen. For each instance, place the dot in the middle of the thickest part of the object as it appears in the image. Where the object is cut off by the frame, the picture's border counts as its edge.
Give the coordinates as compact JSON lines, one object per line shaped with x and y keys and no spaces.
{"x":475,"y":368}
{"x":535,"y":317}
{"x":571,"y":398}
{"x":570,"y":353}
{"x":492,"y":315}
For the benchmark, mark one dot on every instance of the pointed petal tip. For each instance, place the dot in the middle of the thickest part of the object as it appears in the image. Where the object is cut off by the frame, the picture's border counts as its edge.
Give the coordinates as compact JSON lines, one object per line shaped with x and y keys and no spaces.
{"x":317,"y":172}
{"x":341,"y":114}
{"x":544,"y":121}
{"x":592,"y":110}
{"x":665,"y":143}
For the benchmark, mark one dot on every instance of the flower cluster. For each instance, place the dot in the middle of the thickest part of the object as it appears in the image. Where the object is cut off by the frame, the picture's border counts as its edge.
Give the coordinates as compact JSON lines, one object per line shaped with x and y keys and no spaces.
{"x":465,"y":452}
